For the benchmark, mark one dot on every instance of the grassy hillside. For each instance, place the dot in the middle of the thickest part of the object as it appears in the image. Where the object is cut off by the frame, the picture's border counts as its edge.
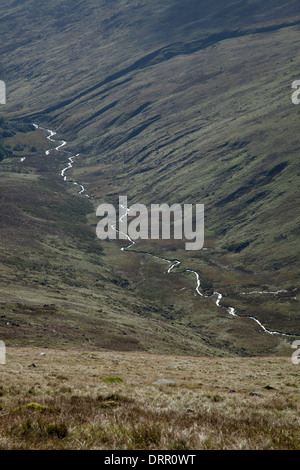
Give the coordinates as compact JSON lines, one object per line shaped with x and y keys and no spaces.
{"x":58,"y":287}
{"x":176,"y":102}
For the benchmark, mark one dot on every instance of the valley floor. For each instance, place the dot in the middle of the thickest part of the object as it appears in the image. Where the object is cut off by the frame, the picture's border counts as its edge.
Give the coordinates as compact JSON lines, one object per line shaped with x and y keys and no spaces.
{"x":68,"y":399}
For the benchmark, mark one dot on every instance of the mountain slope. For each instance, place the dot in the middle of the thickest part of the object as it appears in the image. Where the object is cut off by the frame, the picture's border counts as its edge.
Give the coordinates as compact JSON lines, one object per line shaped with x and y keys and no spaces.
{"x":182,"y":102}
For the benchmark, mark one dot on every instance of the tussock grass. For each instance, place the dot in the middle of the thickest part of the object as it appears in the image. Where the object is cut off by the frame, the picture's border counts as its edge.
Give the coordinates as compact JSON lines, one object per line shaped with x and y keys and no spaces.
{"x":218,"y":413}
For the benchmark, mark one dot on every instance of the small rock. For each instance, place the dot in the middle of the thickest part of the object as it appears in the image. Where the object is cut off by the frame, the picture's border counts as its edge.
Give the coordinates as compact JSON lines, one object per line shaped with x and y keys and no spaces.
{"x":43,"y":354}
{"x":189,"y":410}
{"x":232,"y":391}
{"x":254,"y":394}
{"x":32,"y":365}
{"x":164,"y":381}
{"x":268,"y":387}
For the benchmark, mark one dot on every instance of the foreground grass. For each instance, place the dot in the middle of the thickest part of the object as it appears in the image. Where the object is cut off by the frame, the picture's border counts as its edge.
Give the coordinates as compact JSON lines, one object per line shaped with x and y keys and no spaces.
{"x":55,"y":399}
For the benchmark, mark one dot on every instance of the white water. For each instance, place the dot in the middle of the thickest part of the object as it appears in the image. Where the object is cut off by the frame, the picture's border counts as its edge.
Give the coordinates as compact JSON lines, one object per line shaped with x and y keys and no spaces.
{"x":268,"y":331}
{"x":230,"y":310}
{"x":264,"y":292}
{"x":198,"y":281}
{"x":174,"y":263}
{"x":59,"y":149}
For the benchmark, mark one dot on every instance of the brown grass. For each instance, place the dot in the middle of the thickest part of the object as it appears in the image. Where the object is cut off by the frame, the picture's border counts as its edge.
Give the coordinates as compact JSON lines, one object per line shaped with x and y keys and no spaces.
{"x":105,"y":400}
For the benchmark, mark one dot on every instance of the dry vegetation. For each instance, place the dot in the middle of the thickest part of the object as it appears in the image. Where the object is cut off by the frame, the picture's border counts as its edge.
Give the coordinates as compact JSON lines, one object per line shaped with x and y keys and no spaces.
{"x":54,"y":399}
{"x":168,"y":103}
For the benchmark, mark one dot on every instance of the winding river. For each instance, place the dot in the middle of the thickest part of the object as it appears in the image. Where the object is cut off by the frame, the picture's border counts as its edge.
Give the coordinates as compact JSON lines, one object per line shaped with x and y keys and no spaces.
{"x":173,"y":263}
{"x":71,"y":159}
